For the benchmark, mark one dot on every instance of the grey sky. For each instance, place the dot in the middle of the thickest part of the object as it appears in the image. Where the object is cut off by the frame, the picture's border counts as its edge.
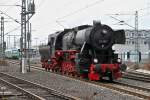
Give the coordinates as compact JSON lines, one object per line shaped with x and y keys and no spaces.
{"x":70,"y":13}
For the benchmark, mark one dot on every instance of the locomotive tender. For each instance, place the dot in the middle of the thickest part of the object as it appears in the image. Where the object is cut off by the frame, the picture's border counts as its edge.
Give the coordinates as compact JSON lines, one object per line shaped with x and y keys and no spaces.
{"x":85,"y":51}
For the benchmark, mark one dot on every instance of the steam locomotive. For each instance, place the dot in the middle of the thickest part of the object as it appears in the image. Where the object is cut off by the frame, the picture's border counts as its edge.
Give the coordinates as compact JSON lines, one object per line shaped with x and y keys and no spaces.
{"x":84,"y":51}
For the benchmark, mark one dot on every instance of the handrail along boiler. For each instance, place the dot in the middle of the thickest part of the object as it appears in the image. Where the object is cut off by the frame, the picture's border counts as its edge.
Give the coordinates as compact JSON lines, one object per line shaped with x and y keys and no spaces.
{"x":85,"y":51}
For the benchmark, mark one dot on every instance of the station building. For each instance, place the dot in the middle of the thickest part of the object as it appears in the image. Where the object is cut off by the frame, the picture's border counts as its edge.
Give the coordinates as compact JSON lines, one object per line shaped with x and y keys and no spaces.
{"x":127,"y":51}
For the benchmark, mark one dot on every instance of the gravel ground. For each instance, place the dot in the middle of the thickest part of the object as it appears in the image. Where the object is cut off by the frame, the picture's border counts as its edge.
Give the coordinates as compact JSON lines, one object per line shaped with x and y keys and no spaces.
{"x":67,"y":85}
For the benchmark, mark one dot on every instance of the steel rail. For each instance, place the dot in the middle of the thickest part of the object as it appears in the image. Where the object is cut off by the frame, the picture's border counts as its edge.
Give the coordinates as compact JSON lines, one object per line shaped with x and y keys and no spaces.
{"x":138,"y":73}
{"x":137,"y":76}
{"x":111,"y":86}
{"x":32,"y":95}
{"x":29,"y":94}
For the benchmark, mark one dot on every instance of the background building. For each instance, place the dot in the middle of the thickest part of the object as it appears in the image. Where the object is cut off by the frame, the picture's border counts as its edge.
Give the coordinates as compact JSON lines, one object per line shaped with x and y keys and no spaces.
{"x":144,"y":45}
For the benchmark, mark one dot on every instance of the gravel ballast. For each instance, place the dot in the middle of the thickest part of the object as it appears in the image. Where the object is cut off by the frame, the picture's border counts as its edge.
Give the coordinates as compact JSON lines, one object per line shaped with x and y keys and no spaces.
{"x":83,"y":90}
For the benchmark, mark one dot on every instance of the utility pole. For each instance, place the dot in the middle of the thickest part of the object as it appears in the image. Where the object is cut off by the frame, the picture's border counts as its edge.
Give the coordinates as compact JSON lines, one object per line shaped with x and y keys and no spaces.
{"x":28,"y":32}
{"x":36,"y":45}
{"x":14,"y":39}
{"x":2,"y":37}
{"x":136,"y":39}
{"x":7,"y":42}
{"x":23,"y":37}
{"x":28,"y":10}
{"x":29,"y":45}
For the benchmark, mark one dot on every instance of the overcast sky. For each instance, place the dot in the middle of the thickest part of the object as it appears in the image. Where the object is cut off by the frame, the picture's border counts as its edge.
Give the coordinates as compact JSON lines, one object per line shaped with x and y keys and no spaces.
{"x":54,"y":15}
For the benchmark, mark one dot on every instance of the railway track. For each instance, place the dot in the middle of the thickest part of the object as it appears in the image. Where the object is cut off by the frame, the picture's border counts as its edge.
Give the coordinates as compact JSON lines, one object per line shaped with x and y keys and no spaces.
{"x":138,"y":90}
{"x":137,"y":76}
{"x":32,"y":90}
{"x":128,"y":75}
{"x":117,"y":85}
{"x":133,"y":86}
{"x":138,"y":73}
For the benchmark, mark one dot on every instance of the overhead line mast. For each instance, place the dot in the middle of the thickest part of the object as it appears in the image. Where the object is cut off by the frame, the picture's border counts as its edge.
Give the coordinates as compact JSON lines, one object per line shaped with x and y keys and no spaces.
{"x":2,"y":37}
{"x":28,"y":9}
{"x":23,"y":36}
{"x":137,"y":38}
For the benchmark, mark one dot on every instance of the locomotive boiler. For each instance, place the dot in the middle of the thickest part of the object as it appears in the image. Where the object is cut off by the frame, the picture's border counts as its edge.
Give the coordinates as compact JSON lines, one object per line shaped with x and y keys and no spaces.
{"x":85,"y":51}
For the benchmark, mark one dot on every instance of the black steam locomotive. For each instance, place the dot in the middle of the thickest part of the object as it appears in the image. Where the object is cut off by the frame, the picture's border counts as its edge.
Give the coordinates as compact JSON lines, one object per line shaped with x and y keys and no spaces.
{"x":85,"y":51}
